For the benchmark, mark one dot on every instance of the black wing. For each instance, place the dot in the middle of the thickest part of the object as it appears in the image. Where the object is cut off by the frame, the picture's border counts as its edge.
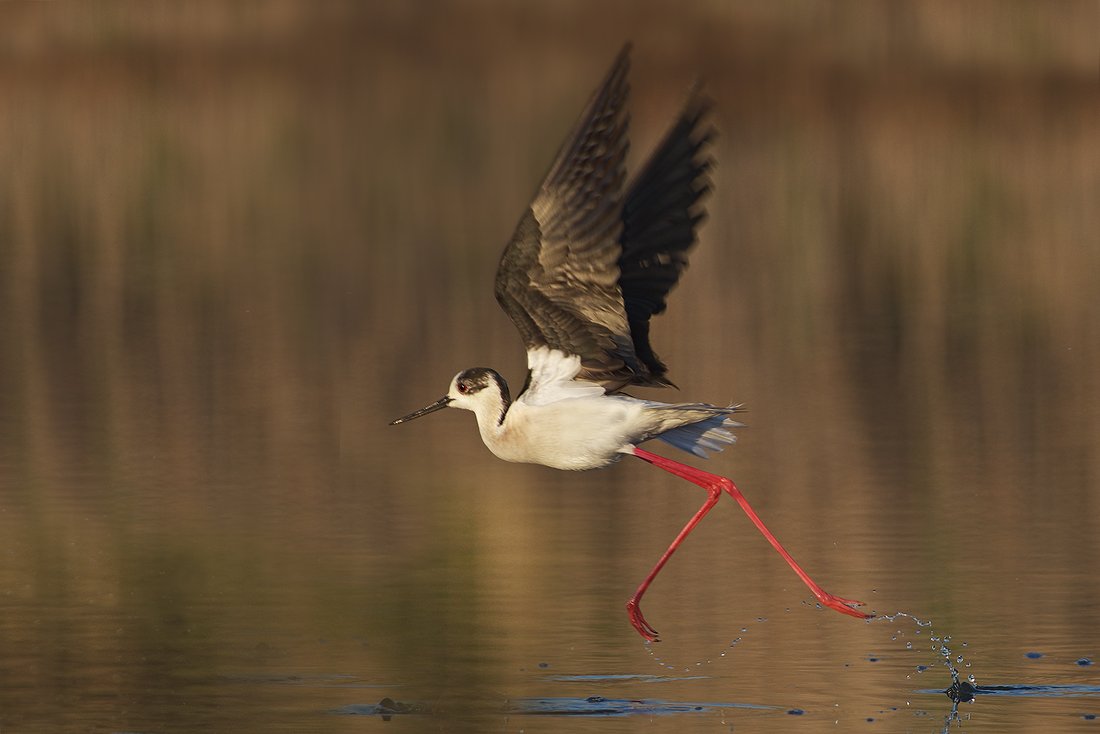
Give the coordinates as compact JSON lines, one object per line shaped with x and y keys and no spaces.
{"x":660,"y":216}
{"x":558,"y":278}
{"x":586,"y":270}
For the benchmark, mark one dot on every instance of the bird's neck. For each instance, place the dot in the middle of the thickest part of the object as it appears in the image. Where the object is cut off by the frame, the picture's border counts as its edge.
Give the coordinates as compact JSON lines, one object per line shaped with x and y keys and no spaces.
{"x":491,"y":413}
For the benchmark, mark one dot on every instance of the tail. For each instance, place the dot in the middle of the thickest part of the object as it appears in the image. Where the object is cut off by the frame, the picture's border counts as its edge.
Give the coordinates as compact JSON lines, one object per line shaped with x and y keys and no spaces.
{"x":707,"y":434}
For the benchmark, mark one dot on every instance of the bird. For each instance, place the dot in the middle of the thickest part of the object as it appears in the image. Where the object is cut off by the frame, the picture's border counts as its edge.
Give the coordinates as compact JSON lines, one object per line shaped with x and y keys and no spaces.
{"x":591,"y":261}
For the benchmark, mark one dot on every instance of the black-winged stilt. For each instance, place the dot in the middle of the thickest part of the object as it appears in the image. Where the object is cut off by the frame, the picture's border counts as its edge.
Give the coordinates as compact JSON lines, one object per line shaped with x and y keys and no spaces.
{"x":586,"y":269}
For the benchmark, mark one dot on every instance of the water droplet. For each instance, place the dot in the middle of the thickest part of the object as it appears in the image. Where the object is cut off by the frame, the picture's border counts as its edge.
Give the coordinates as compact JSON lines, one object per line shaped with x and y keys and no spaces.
{"x":1084,"y":661}
{"x":1033,"y":655}
{"x":908,"y":645}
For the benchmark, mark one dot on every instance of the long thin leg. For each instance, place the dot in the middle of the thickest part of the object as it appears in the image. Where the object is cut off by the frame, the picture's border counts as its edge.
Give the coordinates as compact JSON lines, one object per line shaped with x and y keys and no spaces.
{"x":714,"y":485}
{"x":633,"y":607}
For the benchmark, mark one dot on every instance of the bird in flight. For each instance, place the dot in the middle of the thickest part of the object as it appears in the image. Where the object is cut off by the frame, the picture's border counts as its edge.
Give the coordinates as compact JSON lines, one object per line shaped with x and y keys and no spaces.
{"x":591,"y":261}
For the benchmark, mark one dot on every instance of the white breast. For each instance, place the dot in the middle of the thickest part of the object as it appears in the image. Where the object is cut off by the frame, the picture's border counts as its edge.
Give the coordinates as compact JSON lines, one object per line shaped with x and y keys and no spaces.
{"x":575,"y":433}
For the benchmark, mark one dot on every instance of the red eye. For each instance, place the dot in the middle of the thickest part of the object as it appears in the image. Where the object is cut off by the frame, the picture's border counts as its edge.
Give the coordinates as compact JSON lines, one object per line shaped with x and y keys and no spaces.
{"x":463,"y":388}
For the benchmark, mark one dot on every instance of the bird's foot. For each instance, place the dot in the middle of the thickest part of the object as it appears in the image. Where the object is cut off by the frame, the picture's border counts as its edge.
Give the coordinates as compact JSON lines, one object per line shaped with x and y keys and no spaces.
{"x":842,"y":605}
{"x":634,"y":611}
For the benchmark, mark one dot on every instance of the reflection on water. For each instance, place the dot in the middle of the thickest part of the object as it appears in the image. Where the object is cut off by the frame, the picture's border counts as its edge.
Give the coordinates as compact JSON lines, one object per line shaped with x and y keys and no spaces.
{"x":237,"y":241}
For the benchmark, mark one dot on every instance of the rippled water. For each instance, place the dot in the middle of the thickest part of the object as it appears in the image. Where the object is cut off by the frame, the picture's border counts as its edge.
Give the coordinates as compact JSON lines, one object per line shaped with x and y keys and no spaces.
{"x":237,"y":243}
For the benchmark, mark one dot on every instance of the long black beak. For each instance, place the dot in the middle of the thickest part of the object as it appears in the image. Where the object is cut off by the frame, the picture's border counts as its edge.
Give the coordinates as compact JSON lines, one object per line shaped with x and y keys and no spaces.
{"x":440,"y":404}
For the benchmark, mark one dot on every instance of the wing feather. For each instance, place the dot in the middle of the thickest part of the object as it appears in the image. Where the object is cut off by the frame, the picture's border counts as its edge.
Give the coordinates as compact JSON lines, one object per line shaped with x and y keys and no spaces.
{"x":558,"y":278}
{"x":587,"y":268}
{"x":660,"y":216}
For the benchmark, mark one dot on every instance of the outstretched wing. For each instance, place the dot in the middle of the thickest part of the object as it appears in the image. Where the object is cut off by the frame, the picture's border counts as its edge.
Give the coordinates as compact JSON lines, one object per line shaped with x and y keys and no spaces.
{"x":660,"y":217}
{"x":586,"y":269}
{"x":558,"y":279}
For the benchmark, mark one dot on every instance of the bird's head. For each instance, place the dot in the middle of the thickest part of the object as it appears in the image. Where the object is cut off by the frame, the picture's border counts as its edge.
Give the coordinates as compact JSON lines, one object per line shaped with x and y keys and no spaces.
{"x":479,"y":389}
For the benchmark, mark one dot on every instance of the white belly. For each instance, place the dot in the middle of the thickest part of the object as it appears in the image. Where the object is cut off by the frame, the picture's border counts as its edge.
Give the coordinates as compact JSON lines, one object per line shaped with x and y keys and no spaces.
{"x":576,"y":434}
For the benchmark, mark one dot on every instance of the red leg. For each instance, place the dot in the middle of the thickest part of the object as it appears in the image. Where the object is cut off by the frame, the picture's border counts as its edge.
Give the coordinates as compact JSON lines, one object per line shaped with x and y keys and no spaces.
{"x":633,"y":608}
{"x":714,"y":485}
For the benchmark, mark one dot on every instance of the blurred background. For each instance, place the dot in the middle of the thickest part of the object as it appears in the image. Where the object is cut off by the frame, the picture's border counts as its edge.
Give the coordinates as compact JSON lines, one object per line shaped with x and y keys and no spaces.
{"x":238,"y":238}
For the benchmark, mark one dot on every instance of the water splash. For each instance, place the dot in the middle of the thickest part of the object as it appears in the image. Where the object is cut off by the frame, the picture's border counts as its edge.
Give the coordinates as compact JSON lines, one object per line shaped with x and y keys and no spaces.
{"x":946,"y":653}
{"x":652,"y":650}
{"x":941,"y":646}
{"x":922,"y":635}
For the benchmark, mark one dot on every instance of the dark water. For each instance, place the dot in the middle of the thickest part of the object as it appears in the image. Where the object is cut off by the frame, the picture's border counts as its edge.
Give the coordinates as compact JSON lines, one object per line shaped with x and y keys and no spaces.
{"x":237,"y":240}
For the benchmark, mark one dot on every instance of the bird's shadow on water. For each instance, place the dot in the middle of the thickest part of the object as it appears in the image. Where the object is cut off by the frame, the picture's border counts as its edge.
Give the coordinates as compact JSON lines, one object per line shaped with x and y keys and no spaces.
{"x":962,"y":690}
{"x":593,"y":705}
{"x":605,"y":706}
